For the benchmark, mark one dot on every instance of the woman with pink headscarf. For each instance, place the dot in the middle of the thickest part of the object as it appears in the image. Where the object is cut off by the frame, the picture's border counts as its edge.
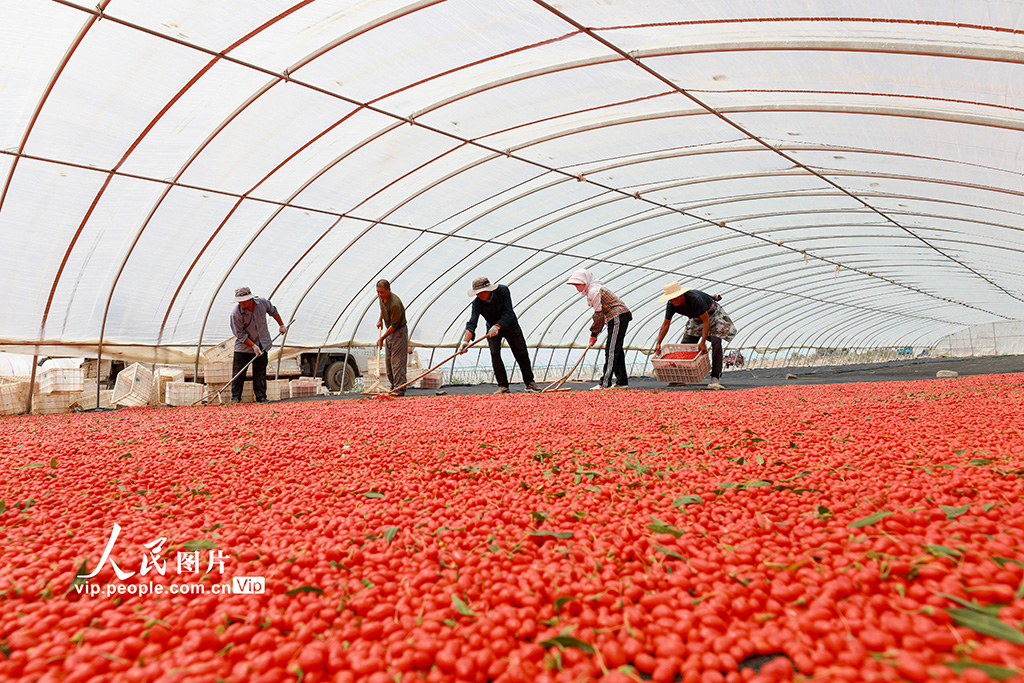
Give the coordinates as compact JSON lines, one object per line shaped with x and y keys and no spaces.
{"x":608,"y":310}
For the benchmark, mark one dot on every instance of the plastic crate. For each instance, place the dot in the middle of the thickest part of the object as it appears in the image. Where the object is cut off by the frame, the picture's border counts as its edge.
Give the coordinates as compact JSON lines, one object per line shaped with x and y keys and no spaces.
{"x":53,"y":402}
{"x":277,"y":389}
{"x":692,"y":368}
{"x":304,"y":386}
{"x":225,"y":351}
{"x":134,"y":386}
{"x":89,"y":368}
{"x":218,"y":373}
{"x":87,"y":399}
{"x":183,"y":393}
{"x":14,"y":393}
{"x":63,"y":380}
{"x":161,"y":378}
{"x":432,"y":380}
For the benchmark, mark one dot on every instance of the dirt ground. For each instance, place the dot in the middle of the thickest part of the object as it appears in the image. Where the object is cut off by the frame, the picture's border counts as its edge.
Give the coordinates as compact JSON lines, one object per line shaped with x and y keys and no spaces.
{"x":920,"y":368}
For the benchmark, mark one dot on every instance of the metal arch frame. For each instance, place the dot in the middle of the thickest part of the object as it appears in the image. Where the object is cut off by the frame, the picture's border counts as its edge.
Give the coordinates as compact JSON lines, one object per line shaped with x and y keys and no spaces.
{"x":47,"y":91}
{"x":815,"y":343}
{"x":643,"y":322}
{"x":584,"y":209}
{"x":104,"y":314}
{"x":775,"y":334}
{"x":1015,"y":58}
{"x":894,"y":324}
{"x":110,"y":175}
{"x":95,"y":17}
{"x":749,"y":288}
{"x":357,"y":108}
{"x":742,"y":146}
{"x":742,"y":306}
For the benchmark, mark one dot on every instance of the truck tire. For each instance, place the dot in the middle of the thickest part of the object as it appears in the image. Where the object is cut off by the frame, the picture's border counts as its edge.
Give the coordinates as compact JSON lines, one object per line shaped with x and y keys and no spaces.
{"x":339,"y":376}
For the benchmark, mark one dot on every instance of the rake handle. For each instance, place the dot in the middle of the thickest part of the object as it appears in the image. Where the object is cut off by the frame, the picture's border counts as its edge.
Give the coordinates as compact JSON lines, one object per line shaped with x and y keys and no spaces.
{"x":399,"y":388}
{"x":559,"y":382}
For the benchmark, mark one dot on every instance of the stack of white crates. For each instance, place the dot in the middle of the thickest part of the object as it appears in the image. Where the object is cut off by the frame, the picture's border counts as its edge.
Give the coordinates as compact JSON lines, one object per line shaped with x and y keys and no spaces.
{"x":183,"y":393}
{"x":161,"y":377}
{"x":218,"y":362}
{"x":58,"y":388}
{"x":14,"y":393}
{"x":134,"y":386}
{"x":60,"y":380}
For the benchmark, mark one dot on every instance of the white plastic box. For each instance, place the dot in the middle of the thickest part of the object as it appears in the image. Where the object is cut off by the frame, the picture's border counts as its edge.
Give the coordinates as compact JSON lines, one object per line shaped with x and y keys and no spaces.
{"x":161,"y":377}
{"x":53,"y":402}
{"x":89,"y":368}
{"x":183,"y":393}
{"x":304,"y":386}
{"x":87,"y":399}
{"x":14,"y":393}
{"x":134,"y":386}
{"x":693,"y":368}
{"x":218,"y":373}
{"x":432,"y":380}
{"x":277,"y":389}
{"x":225,"y":351}
{"x":53,"y":380}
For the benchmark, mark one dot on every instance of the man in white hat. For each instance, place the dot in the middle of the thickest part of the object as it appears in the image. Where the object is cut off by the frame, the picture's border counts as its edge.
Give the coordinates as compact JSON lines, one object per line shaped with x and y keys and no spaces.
{"x":708,"y":322}
{"x":249,"y":325}
{"x":494,"y":303}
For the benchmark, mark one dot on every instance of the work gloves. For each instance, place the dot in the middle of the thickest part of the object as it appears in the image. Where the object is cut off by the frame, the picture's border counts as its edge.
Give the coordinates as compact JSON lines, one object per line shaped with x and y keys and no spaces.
{"x":593,"y":340}
{"x":463,"y":346}
{"x":493,"y":332}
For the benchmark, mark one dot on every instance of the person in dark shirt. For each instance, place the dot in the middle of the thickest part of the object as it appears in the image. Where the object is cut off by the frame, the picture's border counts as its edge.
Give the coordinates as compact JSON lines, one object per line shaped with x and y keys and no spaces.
{"x":494,"y":303}
{"x":708,"y":322}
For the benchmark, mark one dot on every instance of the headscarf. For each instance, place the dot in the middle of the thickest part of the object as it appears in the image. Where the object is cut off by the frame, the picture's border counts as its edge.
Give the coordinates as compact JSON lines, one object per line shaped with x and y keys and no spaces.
{"x":591,"y":287}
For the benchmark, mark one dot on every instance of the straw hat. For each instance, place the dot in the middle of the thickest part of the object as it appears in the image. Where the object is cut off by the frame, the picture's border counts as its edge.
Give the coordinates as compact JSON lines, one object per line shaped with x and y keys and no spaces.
{"x":482,"y":284}
{"x":673,"y":290}
{"x":243,"y":294}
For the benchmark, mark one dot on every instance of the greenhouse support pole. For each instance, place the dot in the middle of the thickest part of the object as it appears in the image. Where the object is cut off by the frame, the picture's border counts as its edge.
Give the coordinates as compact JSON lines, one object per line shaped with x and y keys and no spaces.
{"x":32,"y":383}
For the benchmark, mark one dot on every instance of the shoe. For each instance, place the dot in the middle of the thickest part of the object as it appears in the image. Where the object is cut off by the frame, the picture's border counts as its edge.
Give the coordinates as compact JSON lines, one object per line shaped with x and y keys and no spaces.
{"x":620,"y":386}
{"x":502,"y":390}
{"x":599,"y":387}
{"x":532,"y":386}
{"x":715,"y":384}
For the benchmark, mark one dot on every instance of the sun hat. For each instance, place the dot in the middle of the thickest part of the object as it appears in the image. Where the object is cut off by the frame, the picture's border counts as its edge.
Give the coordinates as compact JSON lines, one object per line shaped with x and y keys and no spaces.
{"x":673,"y":290}
{"x":243,"y":294}
{"x":482,"y":284}
{"x":580,"y":277}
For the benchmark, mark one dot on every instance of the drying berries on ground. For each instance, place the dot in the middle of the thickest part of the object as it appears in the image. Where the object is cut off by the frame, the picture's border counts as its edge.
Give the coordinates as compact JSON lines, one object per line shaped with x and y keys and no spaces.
{"x":858,"y":532}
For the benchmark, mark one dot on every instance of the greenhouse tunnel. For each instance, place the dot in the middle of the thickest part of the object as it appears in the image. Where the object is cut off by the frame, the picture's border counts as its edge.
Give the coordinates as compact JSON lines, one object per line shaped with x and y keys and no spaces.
{"x":844,"y":174}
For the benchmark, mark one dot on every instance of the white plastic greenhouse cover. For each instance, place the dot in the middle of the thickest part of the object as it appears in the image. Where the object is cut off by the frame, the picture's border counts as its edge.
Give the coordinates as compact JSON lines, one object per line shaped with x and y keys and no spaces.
{"x":842,"y":173}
